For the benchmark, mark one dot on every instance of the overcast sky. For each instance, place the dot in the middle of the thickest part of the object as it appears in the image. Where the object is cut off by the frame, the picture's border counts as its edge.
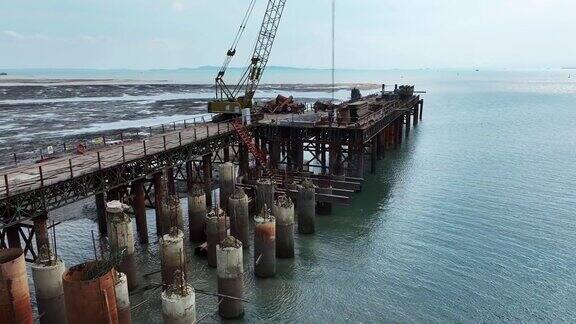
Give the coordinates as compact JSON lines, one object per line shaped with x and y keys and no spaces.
{"x":371,"y":34}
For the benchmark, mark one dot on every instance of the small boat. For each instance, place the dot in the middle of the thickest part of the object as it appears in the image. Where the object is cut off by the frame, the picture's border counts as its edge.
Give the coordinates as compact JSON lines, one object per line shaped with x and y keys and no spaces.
{"x":3,"y":73}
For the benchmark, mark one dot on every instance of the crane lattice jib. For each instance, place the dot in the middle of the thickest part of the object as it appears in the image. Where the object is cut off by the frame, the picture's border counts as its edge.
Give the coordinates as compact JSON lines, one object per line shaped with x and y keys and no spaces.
{"x":253,"y":74}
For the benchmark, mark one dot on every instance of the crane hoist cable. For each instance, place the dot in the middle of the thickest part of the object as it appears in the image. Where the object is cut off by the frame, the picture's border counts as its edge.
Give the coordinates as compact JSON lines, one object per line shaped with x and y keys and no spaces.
{"x":232,"y":51}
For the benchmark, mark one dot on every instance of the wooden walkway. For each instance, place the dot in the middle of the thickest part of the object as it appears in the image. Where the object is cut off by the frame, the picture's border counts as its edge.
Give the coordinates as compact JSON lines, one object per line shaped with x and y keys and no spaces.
{"x":33,"y":176}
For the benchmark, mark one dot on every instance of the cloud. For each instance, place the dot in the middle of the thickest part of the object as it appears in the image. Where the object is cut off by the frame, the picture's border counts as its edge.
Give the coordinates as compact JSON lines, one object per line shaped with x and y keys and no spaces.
{"x":178,"y":5}
{"x":24,"y":37}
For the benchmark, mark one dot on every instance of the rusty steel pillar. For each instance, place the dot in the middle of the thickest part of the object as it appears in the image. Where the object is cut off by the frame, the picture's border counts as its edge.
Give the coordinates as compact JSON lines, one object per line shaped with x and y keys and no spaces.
{"x":13,"y":236}
{"x":408,"y":121}
{"x":417,"y":116}
{"x":243,"y":159}
{"x":381,"y":144}
{"x":89,"y":300}
{"x":139,"y":205}
{"x":390,"y":136}
{"x":324,"y":187}
{"x":298,"y":153}
{"x":207,"y":174}
{"x":226,"y":153}
{"x":101,"y":213}
{"x":41,"y":233}
{"x":373,"y":154}
{"x":395,"y":133}
{"x":356,"y":161}
{"x":160,"y":196}
{"x":323,"y":158}
{"x":400,"y":129}
{"x":274,"y":154}
{"x":335,"y":160}
{"x":421,"y":108}
{"x":170,"y":181}
{"x":15,"y":304}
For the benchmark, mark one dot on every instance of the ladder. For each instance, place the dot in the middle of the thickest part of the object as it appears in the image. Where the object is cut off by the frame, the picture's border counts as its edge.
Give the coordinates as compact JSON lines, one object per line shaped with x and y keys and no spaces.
{"x":247,"y":140}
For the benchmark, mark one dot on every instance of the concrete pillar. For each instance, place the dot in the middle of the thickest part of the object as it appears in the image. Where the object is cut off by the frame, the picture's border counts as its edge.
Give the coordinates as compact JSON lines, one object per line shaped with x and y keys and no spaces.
{"x":122,"y":298}
{"x":239,"y":216}
{"x":173,"y":255}
{"x":227,"y":183}
{"x":101,"y":213}
{"x":139,"y":203}
{"x":207,"y":173}
{"x":306,"y":208}
{"x":160,"y":194}
{"x":324,"y":208}
{"x":173,"y":215}
{"x":47,"y":278}
{"x":265,"y":245}
{"x":197,"y":214}
{"x":122,"y":241}
{"x":179,"y":304}
{"x":283,"y":211}
{"x":230,"y":277}
{"x":264,"y":193}
{"x":215,"y":233}
{"x":416,"y":113}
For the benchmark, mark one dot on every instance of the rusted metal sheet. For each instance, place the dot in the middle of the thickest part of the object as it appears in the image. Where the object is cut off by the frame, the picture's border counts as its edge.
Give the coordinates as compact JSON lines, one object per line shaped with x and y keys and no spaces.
{"x":90,"y":301}
{"x":15,"y":304}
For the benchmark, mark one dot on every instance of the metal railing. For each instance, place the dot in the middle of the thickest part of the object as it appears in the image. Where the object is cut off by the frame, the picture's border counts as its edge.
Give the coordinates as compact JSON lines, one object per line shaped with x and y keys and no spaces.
{"x":113,"y":137}
{"x":52,"y":171}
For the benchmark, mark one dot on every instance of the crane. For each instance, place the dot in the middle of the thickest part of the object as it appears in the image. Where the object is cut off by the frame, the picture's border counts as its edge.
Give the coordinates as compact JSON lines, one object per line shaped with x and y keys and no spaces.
{"x":231,"y":100}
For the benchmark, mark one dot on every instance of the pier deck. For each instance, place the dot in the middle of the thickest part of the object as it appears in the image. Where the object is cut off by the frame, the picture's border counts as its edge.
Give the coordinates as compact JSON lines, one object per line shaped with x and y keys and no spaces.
{"x":334,"y":145}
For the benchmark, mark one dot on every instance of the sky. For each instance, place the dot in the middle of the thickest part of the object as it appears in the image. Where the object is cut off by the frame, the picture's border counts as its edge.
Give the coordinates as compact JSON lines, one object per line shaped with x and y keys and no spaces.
{"x":370,"y":34}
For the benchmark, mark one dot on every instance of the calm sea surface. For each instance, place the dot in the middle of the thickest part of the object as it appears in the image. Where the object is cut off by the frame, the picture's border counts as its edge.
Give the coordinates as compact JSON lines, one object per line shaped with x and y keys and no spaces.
{"x":472,"y":220}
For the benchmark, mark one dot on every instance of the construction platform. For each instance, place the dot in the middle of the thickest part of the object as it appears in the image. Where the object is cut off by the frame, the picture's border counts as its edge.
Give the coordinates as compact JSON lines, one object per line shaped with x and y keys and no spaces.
{"x":329,"y":145}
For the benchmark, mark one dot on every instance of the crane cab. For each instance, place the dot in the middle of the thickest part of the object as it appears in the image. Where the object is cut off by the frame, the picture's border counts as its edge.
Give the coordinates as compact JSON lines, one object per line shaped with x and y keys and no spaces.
{"x":225,"y":107}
